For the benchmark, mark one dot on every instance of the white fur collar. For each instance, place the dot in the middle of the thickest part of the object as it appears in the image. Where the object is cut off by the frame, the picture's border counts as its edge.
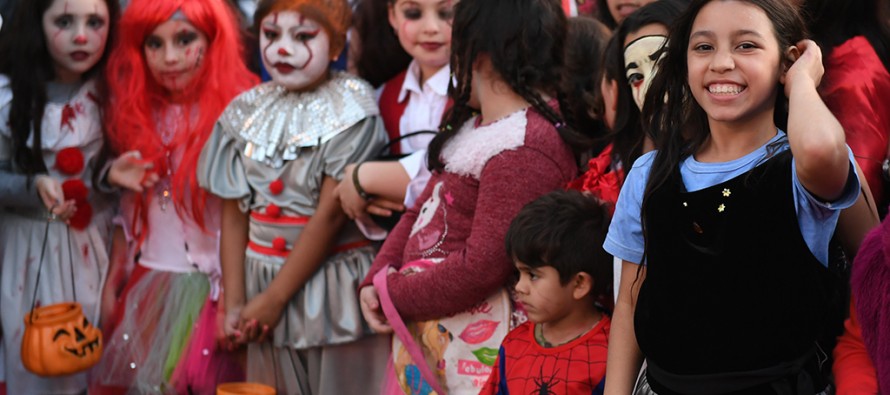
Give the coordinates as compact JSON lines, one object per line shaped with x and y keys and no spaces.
{"x":468,"y":152}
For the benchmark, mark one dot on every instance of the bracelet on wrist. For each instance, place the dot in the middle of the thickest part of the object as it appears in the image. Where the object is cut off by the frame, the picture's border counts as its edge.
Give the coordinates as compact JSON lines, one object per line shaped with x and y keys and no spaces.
{"x":358,"y":186}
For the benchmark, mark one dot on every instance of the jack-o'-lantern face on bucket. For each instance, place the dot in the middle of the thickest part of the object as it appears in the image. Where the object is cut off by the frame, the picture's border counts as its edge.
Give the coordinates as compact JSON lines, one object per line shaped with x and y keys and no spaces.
{"x":59,"y":340}
{"x":78,"y":340}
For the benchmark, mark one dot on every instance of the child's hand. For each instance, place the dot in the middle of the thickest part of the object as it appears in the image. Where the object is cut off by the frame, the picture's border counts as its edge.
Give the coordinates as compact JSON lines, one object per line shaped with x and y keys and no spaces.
{"x":53,"y":198}
{"x":259,"y":317}
{"x":353,"y":204}
{"x":806,"y":69}
{"x":131,"y":172}
{"x":370,"y":304}
{"x":231,"y":322}
{"x":384,"y":208}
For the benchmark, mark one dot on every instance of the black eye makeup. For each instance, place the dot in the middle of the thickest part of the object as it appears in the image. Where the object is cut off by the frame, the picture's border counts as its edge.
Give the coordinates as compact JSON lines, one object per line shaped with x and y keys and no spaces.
{"x":153,"y":42}
{"x":64,"y":21}
{"x":95,"y":22}
{"x":412,"y":13}
{"x":185,"y":37}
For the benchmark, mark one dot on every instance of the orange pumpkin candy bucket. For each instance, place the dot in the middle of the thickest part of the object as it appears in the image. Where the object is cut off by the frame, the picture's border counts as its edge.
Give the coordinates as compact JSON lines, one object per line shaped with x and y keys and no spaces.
{"x":244,"y":389}
{"x":59,"y":340}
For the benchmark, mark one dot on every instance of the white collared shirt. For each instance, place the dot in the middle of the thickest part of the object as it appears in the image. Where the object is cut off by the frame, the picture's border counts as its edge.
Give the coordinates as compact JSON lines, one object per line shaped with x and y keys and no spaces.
{"x":423,"y":112}
{"x":425,"y":105}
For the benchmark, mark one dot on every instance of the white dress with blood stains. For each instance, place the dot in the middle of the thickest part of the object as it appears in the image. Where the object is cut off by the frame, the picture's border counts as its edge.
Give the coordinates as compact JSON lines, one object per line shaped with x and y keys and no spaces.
{"x":71,"y":139}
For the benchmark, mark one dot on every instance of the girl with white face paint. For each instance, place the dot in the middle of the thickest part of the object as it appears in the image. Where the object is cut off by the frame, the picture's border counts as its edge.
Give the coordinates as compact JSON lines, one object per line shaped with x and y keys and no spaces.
{"x":290,"y":258}
{"x":50,"y":140}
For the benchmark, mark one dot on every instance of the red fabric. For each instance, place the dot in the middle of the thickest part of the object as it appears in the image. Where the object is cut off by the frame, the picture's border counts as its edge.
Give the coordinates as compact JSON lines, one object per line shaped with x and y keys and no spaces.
{"x":138,"y":272}
{"x":856,"y":89}
{"x":578,"y":367}
{"x":69,"y":161}
{"x":472,"y":226}
{"x":870,"y":283}
{"x":854,"y":373}
{"x":391,"y":109}
{"x":601,"y":179}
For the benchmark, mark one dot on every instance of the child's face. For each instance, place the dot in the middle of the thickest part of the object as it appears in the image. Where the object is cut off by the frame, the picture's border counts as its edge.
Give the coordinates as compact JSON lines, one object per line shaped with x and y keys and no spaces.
{"x":173,"y":52}
{"x":734,"y":63}
{"x":424,"y":30}
{"x":76,"y":32}
{"x":296,"y":50}
{"x":641,"y":51}
{"x":542,"y":295}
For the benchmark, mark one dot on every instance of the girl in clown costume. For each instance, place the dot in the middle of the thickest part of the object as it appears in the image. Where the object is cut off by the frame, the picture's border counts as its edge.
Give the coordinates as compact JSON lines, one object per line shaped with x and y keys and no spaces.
{"x":290,"y":258}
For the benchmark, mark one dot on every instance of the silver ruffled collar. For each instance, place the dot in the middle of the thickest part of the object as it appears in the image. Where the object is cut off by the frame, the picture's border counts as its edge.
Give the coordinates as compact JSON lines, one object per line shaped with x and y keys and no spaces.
{"x":277,"y":123}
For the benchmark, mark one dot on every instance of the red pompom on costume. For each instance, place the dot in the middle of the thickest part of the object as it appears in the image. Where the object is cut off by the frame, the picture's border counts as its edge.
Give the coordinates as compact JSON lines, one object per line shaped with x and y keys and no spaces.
{"x":69,"y":161}
{"x":75,"y":189}
{"x":276,"y":187}
{"x":273,"y":210}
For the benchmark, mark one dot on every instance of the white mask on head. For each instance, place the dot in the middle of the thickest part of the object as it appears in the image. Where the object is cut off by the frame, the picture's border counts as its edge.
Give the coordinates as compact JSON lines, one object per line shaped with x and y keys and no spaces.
{"x":640,"y":61}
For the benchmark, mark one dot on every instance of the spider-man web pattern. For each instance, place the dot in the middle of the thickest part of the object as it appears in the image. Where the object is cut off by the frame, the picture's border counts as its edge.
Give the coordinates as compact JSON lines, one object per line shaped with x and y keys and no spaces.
{"x":524,"y":367}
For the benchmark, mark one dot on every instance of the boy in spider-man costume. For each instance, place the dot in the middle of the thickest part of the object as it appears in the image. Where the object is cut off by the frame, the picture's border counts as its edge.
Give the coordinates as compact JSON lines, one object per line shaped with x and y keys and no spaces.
{"x":556,"y":245}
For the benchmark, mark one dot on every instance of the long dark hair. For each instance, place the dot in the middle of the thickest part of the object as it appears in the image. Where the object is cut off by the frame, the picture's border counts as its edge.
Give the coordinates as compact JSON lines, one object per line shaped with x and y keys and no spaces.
{"x":680,"y":124}
{"x":585,"y":45}
{"x":833,"y":22}
{"x":628,"y":133}
{"x":525,"y":41}
{"x":381,"y":56}
{"x":605,"y":15}
{"x":25,"y":59}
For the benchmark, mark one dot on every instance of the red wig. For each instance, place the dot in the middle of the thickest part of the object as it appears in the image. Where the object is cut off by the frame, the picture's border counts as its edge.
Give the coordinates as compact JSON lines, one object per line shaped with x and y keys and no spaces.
{"x":137,"y":102}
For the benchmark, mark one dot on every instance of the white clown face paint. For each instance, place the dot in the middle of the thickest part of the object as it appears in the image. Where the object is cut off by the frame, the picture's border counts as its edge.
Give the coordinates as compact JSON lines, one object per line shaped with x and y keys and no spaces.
{"x":296,"y":50}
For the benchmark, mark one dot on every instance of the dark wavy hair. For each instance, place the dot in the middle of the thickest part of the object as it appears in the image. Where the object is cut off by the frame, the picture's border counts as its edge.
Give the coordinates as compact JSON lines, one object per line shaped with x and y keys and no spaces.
{"x":604,"y":15}
{"x":25,"y":59}
{"x":680,"y":124}
{"x":628,"y":132}
{"x":585,"y":46}
{"x":832,"y":22}
{"x":381,"y":56}
{"x":565,"y":230}
{"x":525,"y":41}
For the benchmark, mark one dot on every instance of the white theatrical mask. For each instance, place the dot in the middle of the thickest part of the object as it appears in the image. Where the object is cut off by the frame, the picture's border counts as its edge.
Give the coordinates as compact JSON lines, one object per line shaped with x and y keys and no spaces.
{"x":640,"y":60}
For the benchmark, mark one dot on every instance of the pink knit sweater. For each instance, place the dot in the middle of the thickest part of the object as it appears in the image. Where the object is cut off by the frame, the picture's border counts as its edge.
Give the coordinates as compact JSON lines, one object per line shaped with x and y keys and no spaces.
{"x":490,"y":173}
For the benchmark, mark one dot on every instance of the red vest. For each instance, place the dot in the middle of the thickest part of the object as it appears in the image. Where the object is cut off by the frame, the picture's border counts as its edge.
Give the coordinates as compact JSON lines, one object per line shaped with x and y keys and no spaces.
{"x":391,"y":109}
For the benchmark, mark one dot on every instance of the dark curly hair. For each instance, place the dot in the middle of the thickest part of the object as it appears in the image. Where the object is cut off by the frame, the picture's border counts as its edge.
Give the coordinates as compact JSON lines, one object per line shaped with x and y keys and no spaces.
{"x":525,"y":41}
{"x":25,"y":59}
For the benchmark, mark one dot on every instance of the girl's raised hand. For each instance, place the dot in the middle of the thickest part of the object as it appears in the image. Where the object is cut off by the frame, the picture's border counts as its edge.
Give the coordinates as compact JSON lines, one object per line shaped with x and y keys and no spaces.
{"x":131,"y":172}
{"x":806,"y":66}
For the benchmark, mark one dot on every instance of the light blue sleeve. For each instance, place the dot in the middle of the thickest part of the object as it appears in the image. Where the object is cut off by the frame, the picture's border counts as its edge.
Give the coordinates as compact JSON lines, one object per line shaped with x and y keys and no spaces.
{"x":818,"y":219}
{"x":625,"y":237}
